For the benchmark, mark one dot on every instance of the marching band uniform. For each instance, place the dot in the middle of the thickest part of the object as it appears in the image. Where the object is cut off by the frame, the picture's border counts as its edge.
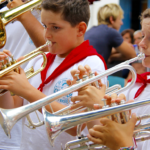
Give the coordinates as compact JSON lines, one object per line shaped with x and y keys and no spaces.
{"x":51,"y":80}
{"x":19,"y":43}
{"x":138,"y":92}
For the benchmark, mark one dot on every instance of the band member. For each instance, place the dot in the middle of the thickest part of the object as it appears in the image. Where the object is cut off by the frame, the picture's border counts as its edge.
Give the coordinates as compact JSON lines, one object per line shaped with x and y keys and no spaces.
{"x":141,"y":88}
{"x":60,"y":19}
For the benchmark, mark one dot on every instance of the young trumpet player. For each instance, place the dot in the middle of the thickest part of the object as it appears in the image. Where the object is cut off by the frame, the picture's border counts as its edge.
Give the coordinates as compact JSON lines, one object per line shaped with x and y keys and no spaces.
{"x":140,"y":90}
{"x":65,"y":29}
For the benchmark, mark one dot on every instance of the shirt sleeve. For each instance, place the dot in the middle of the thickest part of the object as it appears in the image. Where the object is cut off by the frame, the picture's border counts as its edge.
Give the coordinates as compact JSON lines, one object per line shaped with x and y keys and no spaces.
{"x":115,"y":38}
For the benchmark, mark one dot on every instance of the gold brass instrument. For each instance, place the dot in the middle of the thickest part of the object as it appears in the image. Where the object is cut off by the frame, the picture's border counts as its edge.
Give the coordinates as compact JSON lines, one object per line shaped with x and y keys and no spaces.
{"x":8,"y":117}
{"x":9,"y":15}
{"x":3,"y":1}
{"x":10,"y":66}
{"x":13,"y":65}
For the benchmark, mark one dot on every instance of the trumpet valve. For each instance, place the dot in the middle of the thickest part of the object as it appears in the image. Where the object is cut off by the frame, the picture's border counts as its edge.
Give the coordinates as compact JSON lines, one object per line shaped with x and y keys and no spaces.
{"x":3,"y":65}
{"x":13,"y":61}
{"x":116,"y":116}
{"x":106,"y":106}
{"x":125,"y":115}
{"x":78,"y":79}
{"x":91,"y":75}
{"x":85,"y":77}
{"x":8,"y":62}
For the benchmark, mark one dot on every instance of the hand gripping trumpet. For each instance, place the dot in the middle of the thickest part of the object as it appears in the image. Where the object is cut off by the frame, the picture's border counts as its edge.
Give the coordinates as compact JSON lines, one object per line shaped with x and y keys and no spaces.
{"x":67,"y":111}
{"x":8,"y":117}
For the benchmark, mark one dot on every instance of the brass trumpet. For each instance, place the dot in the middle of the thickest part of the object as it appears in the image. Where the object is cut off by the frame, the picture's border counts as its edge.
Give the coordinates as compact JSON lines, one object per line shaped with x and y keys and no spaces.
{"x":9,"y":15}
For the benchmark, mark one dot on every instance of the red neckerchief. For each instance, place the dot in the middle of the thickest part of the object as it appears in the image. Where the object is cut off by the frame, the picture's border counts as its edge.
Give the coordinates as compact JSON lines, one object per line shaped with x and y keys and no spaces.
{"x":76,"y":55}
{"x":141,"y":78}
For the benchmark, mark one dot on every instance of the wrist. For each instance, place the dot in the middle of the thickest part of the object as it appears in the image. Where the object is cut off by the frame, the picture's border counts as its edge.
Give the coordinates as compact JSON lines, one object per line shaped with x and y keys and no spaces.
{"x":25,"y":15}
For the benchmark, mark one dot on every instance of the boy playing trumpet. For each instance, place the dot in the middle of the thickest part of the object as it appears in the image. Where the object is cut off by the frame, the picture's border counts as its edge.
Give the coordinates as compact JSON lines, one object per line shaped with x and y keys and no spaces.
{"x":65,"y":24}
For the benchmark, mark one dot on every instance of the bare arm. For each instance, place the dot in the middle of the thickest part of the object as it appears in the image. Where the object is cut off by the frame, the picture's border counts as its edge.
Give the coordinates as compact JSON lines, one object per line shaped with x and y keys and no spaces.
{"x":31,"y":24}
{"x":126,"y":52}
{"x":7,"y":101}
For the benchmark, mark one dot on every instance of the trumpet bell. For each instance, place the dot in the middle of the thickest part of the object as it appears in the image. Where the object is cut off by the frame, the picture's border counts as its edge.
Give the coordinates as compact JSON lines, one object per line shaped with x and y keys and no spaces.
{"x":2,"y":33}
{"x":5,"y":122}
{"x":52,"y":131}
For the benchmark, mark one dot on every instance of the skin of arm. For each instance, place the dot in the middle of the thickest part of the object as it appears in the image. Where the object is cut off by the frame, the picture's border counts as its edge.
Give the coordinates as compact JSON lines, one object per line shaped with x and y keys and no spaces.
{"x":31,"y":24}
{"x":125,"y":50}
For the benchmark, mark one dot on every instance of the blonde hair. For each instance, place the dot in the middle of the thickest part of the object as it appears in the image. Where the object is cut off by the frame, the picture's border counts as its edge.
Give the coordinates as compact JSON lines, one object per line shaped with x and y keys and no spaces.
{"x":107,"y":11}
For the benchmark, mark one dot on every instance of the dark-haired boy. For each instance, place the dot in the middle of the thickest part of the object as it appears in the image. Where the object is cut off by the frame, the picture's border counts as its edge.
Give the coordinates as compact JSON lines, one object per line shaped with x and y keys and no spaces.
{"x":65,"y":23}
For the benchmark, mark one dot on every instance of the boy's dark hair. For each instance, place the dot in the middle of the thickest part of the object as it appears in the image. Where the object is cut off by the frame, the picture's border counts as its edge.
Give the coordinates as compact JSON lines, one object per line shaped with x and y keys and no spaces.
{"x":73,"y":11}
{"x":130,"y":31}
{"x":145,"y":14}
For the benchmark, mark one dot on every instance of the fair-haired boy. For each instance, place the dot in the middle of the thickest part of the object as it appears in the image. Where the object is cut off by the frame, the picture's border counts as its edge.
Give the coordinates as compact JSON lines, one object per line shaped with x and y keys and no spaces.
{"x":105,"y":36}
{"x":65,"y":24}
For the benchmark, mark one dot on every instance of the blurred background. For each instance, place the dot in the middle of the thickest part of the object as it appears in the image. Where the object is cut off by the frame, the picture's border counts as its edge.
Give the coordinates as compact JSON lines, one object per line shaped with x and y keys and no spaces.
{"x":132,"y":10}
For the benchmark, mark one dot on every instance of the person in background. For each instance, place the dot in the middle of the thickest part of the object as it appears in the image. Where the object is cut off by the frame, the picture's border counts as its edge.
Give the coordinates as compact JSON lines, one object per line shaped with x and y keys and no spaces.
{"x":137,"y":37}
{"x":105,"y":36}
{"x":128,"y":35}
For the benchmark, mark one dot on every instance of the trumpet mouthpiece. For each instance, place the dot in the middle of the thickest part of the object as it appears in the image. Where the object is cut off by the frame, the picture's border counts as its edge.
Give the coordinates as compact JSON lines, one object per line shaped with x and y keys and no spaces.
{"x":141,"y":56}
{"x":49,"y":43}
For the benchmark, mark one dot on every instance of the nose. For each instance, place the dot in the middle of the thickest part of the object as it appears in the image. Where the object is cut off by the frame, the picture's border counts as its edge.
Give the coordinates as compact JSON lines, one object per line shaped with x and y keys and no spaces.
{"x":47,"y":34}
{"x":143,"y":45}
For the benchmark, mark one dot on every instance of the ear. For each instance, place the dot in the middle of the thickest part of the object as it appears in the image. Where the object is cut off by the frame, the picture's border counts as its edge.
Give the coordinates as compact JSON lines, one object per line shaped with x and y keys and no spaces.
{"x":81,"y":29}
{"x":111,"y":20}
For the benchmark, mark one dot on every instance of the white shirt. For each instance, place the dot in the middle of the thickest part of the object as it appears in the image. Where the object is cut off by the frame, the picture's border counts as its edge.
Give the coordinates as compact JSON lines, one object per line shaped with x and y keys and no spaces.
{"x":130,"y":93}
{"x":37,"y":139}
{"x":19,"y":43}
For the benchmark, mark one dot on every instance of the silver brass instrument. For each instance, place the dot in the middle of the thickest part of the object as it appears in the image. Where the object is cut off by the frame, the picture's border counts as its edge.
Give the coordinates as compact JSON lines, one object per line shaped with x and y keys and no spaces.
{"x":57,"y":124}
{"x":9,"y":15}
{"x":67,"y":111}
{"x":93,"y":146}
{"x":8,"y":117}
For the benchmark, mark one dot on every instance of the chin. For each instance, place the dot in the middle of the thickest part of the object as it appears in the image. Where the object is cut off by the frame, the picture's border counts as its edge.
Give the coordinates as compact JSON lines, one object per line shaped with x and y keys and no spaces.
{"x":146,"y":63}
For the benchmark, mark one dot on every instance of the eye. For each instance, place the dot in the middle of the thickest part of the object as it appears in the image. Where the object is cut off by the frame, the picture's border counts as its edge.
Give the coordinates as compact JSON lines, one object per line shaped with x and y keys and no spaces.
{"x":142,"y":36}
{"x":56,"y":28}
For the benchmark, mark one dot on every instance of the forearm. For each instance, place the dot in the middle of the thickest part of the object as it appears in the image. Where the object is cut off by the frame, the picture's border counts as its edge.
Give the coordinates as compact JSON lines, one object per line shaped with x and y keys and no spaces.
{"x":126,"y":50}
{"x":34,"y":29}
{"x":7,"y":101}
{"x":117,"y":57}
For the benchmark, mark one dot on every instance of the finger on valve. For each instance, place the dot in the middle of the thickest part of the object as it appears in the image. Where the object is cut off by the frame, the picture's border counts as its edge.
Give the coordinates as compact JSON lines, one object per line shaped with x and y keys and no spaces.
{"x":112,"y":134}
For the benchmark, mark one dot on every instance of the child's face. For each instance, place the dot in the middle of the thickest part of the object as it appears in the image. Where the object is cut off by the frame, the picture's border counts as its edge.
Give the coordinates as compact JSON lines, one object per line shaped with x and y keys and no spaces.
{"x":60,"y":32}
{"x":145,"y":43}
